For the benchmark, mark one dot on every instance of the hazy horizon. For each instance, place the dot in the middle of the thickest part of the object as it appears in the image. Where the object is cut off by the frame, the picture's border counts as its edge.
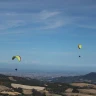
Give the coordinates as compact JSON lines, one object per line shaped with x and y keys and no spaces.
{"x":67,"y":71}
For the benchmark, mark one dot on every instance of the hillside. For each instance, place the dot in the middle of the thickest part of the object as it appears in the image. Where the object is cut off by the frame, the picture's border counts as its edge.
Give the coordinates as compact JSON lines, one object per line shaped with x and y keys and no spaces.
{"x":90,"y":78}
{"x":59,"y":86}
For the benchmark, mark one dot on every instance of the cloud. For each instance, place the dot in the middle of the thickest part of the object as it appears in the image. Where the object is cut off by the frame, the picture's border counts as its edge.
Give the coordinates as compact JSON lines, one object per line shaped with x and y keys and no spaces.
{"x":50,"y":19}
{"x":82,"y":22}
{"x":45,"y":18}
{"x":47,"y":14}
{"x":53,"y":25}
{"x":53,"y":20}
{"x":11,"y":24}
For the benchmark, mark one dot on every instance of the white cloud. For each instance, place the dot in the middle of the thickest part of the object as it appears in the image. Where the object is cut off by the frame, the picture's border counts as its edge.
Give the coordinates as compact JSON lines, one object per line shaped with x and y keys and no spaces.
{"x":47,"y":14}
{"x":52,"y":25}
{"x":48,"y":19}
{"x":11,"y":23}
{"x":83,"y":22}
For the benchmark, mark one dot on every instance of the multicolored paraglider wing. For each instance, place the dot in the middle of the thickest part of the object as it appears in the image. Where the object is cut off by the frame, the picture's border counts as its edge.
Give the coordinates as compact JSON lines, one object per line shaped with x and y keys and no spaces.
{"x":79,"y":46}
{"x":18,"y":58}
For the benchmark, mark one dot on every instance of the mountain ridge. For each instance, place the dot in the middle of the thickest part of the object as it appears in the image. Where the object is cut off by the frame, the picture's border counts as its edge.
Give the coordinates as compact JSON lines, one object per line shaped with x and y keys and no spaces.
{"x":90,"y":77}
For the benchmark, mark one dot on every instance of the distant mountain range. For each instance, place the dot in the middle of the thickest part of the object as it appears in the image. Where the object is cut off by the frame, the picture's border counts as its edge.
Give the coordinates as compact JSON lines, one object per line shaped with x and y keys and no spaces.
{"x":89,"y":78}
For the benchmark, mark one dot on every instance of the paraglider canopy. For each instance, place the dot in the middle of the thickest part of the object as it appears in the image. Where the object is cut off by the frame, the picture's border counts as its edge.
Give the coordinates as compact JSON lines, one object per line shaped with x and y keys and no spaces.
{"x":18,"y":58}
{"x":79,"y":46}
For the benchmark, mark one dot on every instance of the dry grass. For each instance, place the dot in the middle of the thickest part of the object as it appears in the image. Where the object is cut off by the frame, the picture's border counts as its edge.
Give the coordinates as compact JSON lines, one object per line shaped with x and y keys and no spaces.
{"x":80,"y":84}
{"x":27,"y":91}
{"x":27,"y":87}
{"x":10,"y":93}
{"x":3,"y":88}
{"x":82,"y":92}
{"x":69,"y":90}
{"x":50,"y":94}
{"x":88,"y":91}
{"x":77,"y":94}
{"x":11,"y":78}
{"x":84,"y":85}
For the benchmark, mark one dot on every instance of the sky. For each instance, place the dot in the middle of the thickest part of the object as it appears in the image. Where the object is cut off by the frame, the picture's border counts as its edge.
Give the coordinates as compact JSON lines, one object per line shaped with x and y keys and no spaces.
{"x":46,"y":33}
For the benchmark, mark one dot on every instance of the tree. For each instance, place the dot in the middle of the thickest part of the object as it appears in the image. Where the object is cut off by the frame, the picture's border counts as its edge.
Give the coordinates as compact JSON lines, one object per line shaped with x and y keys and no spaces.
{"x":75,"y":90}
{"x":44,"y":94}
{"x":36,"y":93}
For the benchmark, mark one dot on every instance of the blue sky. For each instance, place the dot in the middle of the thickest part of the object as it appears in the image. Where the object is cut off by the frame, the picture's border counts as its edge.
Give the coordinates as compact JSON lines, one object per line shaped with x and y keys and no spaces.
{"x":45,"y":33}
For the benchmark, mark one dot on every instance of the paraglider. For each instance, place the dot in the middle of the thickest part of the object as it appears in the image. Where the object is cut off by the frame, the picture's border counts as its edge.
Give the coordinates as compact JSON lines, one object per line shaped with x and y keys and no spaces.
{"x":79,"y":46}
{"x":18,"y":58}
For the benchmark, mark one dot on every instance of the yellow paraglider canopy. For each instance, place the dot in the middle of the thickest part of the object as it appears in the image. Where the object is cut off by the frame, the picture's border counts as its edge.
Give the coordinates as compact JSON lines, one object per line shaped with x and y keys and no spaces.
{"x":18,"y":58}
{"x":79,"y":46}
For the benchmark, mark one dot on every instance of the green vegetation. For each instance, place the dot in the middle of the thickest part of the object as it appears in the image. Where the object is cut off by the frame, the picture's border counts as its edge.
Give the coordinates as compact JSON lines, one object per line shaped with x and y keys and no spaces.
{"x":75,"y":90}
{"x":57,"y":88}
{"x":36,"y":93}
